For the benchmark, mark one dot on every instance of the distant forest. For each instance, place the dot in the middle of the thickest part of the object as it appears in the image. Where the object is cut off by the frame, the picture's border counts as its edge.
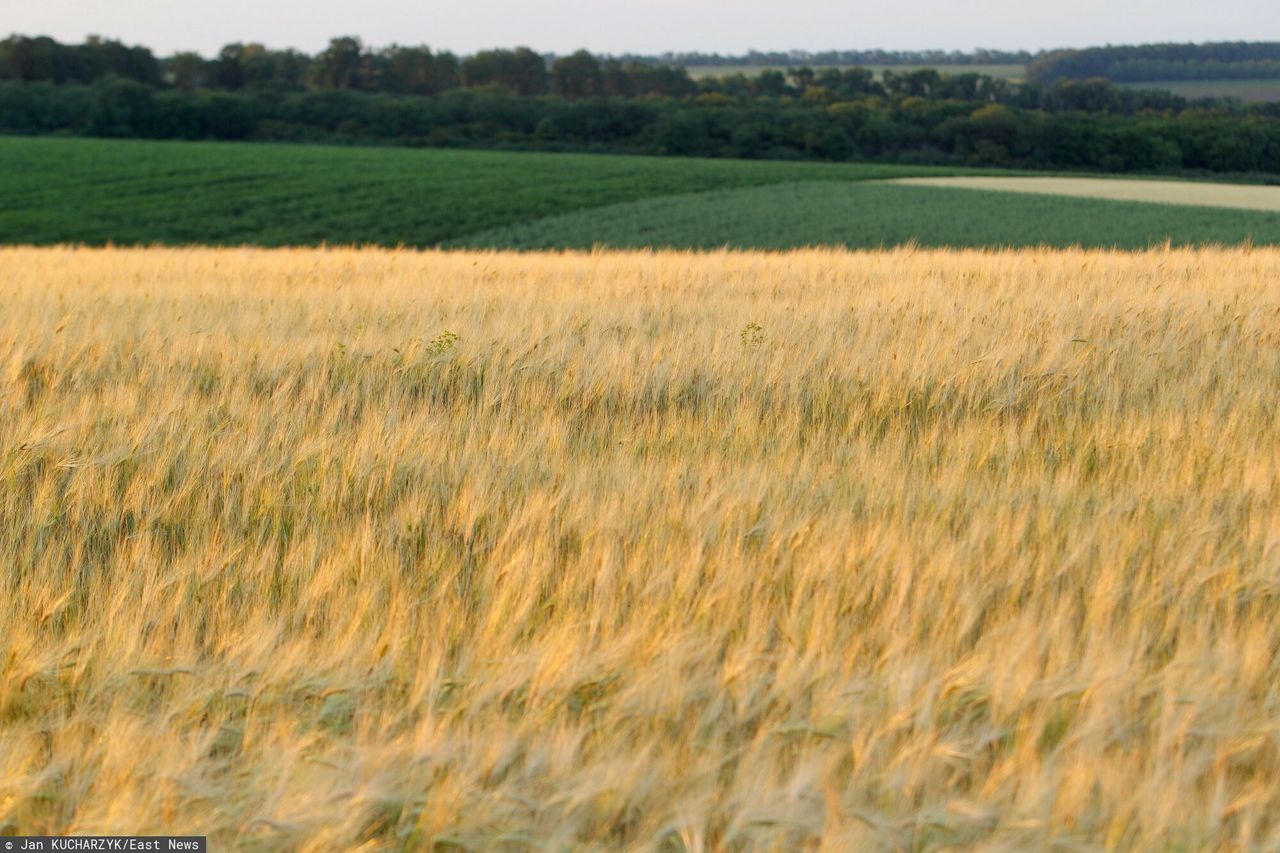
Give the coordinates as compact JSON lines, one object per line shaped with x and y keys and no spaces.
{"x":518,"y":99}
{"x":1151,"y":62}
{"x":795,"y":58}
{"x":418,"y":70}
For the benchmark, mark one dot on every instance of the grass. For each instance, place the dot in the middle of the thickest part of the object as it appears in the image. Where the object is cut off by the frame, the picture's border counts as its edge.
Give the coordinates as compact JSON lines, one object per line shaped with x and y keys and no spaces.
{"x":1001,"y":71}
{"x":912,"y":550}
{"x":870,"y":215}
{"x":1245,"y":90}
{"x":142,"y":192}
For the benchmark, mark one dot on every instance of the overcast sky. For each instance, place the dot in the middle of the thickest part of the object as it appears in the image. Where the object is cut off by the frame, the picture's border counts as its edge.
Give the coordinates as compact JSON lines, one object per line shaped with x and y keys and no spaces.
{"x":647,"y":26}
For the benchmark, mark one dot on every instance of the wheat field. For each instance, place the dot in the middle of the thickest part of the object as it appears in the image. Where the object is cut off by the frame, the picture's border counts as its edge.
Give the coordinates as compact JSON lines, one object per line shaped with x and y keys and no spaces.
{"x":338,"y":549}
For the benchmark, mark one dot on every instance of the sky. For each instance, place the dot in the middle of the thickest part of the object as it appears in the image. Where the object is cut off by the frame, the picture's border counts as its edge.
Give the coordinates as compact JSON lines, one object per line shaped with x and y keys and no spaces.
{"x":647,"y":26}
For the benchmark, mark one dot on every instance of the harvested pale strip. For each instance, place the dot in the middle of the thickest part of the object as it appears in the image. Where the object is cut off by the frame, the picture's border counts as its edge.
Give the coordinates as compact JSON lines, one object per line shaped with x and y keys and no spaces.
{"x":1196,"y":194}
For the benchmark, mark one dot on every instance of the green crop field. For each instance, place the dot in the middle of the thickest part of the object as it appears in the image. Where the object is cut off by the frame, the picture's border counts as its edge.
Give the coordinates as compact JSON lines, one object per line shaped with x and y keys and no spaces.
{"x":141,"y":193}
{"x":1004,"y":72}
{"x":869,"y":215}
{"x":1245,"y":90}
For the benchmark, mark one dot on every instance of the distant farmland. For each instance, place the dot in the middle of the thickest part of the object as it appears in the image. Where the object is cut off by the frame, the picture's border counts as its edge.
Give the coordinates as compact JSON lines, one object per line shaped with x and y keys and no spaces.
{"x":1267,"y":91}
{"x":1004,"y":72}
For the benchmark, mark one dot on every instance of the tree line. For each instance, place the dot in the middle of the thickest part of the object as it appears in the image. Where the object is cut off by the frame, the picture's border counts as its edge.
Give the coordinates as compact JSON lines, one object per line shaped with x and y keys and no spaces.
{"x":516,"y":99}
{"x":889,"y":127}
{"x":1151,"y":62}
{"x":796,"y":58}
{"x":345,"y":64}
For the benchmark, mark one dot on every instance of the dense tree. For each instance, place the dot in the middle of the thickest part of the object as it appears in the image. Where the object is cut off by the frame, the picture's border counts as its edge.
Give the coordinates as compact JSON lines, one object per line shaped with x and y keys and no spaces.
{"x":920,"y":83}
{"x":227,"y":71}
{"x":520,"y":71}
{"x":280,"y":69}
{"x":43,"y":59}
{"x":252,"y":65}
{"x":770,"y":84}
{"x":1148,"y":62}
{"x":878,"y":127}
{"x":186,"y":71}
{"x":848,"y":82}
{"x":658,"y":80}
{"x":577,"y":75}
{"x":341,"y":65}
{"x":413,"y":71}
